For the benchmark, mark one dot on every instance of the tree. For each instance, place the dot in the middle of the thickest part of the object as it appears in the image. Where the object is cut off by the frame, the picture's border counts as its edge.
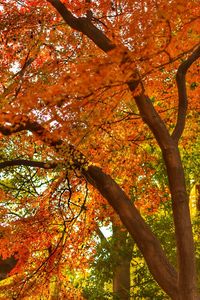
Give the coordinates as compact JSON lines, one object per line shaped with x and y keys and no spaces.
{"x":71,"y":70}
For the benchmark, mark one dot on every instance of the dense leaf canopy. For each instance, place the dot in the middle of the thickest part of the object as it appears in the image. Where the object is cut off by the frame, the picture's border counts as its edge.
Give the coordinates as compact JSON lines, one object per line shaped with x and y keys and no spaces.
{"x":70,"y":71}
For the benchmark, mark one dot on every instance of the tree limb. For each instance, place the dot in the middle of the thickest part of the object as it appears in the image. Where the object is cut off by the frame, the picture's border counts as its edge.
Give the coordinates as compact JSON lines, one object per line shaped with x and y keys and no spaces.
{"x":84,"y":25}
{"x":29,"y":163}
{"x":149,"y":245}
{"x":6,"y":265}
{"x":182,"y":93}
{"x":22,"y":123}
{"x":151,"y":117}
{"x":105,"y":243}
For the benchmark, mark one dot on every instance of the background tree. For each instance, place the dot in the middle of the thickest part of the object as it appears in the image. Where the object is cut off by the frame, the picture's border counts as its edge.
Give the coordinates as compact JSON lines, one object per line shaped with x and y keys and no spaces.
{"x":68,"y":83}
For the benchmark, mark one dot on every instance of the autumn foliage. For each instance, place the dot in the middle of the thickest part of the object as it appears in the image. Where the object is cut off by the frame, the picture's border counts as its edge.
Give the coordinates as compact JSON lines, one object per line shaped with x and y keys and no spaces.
{"x":88,"y":89}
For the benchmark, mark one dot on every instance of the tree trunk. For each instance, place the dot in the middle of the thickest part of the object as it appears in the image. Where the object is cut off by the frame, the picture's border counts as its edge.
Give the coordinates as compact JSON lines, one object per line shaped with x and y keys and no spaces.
{"x":187,"y":280}
{"x":122,"y":251}
{"x":198,"y":198}
{"x":121,"y":280}
{"x":183,"y":227}
{"x":54,"y":289}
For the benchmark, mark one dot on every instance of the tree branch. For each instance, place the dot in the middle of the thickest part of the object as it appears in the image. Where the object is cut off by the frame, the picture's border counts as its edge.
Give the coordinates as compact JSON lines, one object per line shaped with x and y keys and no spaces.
{"x":29,"y":163}
{"x":182,"y":93}
{"x":6,"y":265}
{"x":84,"y":25}
{"x":151,"y":117}
{"x":105,"y":243}
{"x":22,"y":123}
{"x":149,"y":245}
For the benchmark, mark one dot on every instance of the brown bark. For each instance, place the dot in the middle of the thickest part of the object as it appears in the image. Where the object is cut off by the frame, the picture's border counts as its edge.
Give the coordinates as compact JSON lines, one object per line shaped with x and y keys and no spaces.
{"x":122,"y":250}
{"x":83,"y":25}
{"x":121,"y":280}
{"x":25,"y":162}
{"x":183,"y":227}
{"x":198,"y":198}
{"x":182,"y":93}
{"x":54,"y":288}
{"x":148,"y":244}
{"x":150,"y":247}
{"x":187,"y":281}
{"x":6,"y":265}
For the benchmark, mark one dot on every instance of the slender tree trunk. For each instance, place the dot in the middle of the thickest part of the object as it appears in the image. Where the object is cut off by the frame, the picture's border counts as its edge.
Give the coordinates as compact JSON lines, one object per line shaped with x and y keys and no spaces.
{"x":121,"y":280}
{"x":54,"y":289}
{"x":184,"y":238}
{"x":198,"y":198}
{"x":122,"y":252}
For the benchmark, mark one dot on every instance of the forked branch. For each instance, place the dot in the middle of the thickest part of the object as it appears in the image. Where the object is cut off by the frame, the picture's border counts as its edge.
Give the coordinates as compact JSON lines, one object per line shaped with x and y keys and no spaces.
{"x":84,"y":25}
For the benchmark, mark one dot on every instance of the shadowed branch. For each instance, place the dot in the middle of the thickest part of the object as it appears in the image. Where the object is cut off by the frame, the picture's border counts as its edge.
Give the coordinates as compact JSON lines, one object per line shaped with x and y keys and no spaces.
{"x":29,"y":163}
{"x":84,"y":25}
{"x":182,"y":93}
